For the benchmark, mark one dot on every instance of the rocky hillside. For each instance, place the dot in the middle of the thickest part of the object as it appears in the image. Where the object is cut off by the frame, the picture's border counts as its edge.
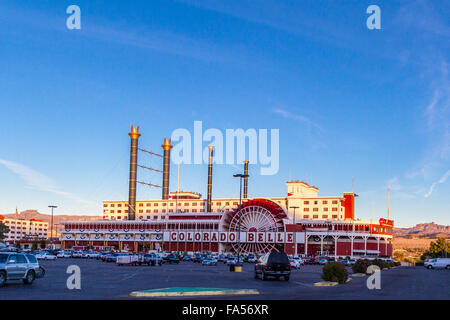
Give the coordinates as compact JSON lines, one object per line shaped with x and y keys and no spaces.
{"x":423,"y":230}
{"x":57,"y":219}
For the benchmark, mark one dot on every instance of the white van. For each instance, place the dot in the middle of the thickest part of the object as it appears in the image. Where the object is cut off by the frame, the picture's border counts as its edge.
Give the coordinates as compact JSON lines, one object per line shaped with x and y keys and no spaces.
{"x":437,"y":263}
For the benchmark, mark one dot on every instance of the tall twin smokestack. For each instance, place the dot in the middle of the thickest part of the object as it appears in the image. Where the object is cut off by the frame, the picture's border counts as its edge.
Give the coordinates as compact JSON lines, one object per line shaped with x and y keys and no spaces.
{"x":166,"y":168}
{"x":134,"y":135}
{"x":246,"y":179}
{"x":210,"y":166}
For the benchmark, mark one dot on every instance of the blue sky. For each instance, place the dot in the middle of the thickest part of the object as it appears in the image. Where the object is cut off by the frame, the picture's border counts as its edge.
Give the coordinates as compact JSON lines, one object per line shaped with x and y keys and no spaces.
{"x":349,"y":101}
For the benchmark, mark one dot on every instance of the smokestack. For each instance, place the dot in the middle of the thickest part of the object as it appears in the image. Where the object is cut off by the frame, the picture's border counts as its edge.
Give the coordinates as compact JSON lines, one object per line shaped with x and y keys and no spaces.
{"x":134,"y":135}
{"x":166,"y":168}
{"x":246,"y":179}
{"x":210,"y":166}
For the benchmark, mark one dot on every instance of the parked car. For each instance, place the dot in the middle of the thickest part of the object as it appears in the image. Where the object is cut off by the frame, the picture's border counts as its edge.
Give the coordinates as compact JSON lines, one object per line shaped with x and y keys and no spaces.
{"x":17,"y":266}
{"x":275,"y":264}
{"x":111,"y":257}
{"x":209,"y":262}
{"x":91,"y":255}
{"x":197,"y":258}
{"x":294,"y":263}
{"x":171,"y":258}
{"x":230,"y":261}
{"x":437,"y":263}
{"x":300,"y":261}
{"x":187,"y":258}
{"x":102,"y":255}
{"x":311,"y":261}
{"x":45,"y":256}
{"x":77,"y":254}
{"x":152,"y":259}
{"x":323,"y":261}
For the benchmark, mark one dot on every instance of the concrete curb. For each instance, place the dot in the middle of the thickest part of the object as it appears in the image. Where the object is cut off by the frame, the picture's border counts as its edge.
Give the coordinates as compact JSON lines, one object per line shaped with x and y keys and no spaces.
{"x":195,"y":292}
{"x":358,"y":275}
{"x":325,"y":284}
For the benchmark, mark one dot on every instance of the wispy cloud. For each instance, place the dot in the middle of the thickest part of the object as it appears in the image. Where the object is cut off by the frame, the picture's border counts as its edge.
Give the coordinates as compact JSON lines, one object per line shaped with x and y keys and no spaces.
{"x":441,"y":180}
{"x":39,"y":181}
{"x":297,"y":117}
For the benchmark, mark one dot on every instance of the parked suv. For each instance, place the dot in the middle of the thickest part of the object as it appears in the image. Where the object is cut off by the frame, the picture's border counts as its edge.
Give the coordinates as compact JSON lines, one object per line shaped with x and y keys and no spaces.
{"x":274,"y":264}
{"x":18,"y":266}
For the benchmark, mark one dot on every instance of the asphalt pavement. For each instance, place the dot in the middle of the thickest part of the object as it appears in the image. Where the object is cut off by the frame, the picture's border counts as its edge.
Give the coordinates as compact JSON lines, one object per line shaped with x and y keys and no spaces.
{"x":101,"y":280}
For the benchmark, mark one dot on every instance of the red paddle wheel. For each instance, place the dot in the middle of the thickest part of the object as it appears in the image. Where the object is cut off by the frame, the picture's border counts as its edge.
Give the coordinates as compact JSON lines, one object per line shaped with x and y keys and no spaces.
{"x":257,"y":215}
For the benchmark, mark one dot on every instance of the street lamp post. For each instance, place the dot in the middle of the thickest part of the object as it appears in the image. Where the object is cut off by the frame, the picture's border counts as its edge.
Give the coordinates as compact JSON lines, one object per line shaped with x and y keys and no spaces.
{"x":51,"y":232}
{"x":240,"y":176}
{"x":295,"y":233}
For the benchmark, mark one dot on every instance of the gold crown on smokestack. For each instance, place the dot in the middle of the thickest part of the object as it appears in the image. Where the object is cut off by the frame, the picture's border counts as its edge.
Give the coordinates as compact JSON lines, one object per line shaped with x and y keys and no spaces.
{"x":134,"y":133}
{"x":167,"y":144}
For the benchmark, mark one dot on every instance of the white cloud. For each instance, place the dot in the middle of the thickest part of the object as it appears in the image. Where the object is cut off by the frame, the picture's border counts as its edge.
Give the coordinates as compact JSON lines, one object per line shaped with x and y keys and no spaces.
{"x":441,"y":180}
{"x":39,"y":181}
{"x":297,"y":117}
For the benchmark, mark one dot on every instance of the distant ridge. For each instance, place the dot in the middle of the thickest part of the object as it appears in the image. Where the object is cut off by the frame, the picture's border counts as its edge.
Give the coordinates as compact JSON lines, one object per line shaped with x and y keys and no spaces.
{"x":57,"y":218}
{"x":423,"y":230}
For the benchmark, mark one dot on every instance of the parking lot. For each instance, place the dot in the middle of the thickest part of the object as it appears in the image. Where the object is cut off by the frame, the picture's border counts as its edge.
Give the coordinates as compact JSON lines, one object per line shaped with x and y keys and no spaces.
{"x":101,"y":280}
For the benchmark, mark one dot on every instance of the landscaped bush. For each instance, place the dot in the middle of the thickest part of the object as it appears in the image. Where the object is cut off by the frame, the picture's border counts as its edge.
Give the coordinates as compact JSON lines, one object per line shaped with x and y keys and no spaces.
{"x":380,"y":263}
{"x":419,"y":263}
{"x":397,"y":264}
{"x":360,"y":266}
{"x":335,"y":272}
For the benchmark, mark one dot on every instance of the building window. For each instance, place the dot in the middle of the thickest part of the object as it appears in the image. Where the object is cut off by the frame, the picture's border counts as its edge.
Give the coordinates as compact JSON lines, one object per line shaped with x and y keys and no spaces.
{"x":163,"y":217}
{"x":148,"y":204}
{"x":305,"y":209}
{"x":324,"y":202}
{"x":163,"y":211}
{"x":105,"y":205}
{"x":316,"y":209}
{"x":155,"y":211}
{"x":112,"y":205}
{"x":112,"y":211}
{"x":335,"y":202}
{"x":194,"y":210}
{"x":119,"y":211}
{"x":315,"y":216}
{"x":155,"y":218}
{"x":305,"y":216}
{"x":141,"y":211}
{"x":141,"y":204}
{"x":194,"y":204}
{"x":164,"y":204}
{"x":119,"y":205}
{"x":170,"y":210}
{"x":155,"y":204}
{"x":325,"y":209}
{"x":324,"y":216}
{"x":305,"y":202}
{"x":316,"y":202}
{"x":335,"y":209}
{"x":334,"y":216}
{"x":148,"y":217}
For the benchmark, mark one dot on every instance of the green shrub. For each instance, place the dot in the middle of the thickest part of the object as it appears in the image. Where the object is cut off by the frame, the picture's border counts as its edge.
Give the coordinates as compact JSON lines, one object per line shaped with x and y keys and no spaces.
{"x":420,"y":263}
{"x":335,"y":272}
{"x":397,"y":264}
{"x":361,"y":266}
{"x":380,"y":263}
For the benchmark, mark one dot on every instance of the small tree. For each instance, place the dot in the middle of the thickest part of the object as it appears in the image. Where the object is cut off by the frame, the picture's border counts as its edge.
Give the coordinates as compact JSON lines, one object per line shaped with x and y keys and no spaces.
{"x":335,"y":272}
{"x":380,"y":263}
{"x":42,"y":244}
{"x":4,"y":229}
{"x":17,"y":244}
{"x":361,"y":266}
{"x":34,"y":246}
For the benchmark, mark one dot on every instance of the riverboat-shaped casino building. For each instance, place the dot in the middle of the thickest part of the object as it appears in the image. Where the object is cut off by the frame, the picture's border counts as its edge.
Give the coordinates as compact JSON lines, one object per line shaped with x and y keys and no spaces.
{"x":300,"y":223}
